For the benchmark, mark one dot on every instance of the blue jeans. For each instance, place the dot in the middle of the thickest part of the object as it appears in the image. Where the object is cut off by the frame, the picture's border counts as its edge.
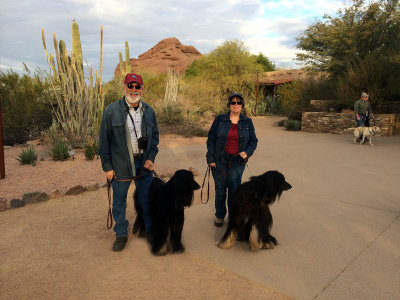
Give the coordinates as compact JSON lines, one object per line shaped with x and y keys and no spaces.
{"x":120,"y":192}
{"x":364,"y":121}
{"x":227,"y":175}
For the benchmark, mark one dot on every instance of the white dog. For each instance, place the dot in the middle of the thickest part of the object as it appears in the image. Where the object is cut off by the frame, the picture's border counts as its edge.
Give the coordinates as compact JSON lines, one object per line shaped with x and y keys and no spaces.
{"x":366,"y":132}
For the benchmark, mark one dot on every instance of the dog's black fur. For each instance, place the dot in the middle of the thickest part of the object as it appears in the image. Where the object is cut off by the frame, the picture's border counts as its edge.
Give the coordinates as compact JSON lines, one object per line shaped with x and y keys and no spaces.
{"x":250,"y":218}
{"x":167,"y":203}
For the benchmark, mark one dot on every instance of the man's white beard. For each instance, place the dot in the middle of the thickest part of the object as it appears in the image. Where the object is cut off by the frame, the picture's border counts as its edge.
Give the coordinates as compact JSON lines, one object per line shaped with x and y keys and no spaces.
{"x":132,"y":97}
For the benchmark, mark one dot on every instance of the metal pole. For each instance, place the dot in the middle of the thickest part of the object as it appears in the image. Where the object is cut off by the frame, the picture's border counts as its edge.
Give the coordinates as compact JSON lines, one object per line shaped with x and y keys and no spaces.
{"x":255,"y":109}
{"x":2,"y":164}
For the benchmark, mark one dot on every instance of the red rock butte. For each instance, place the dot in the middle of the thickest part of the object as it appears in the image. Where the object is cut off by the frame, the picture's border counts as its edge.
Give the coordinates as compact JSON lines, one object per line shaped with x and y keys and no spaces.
{"x":167,"y":54}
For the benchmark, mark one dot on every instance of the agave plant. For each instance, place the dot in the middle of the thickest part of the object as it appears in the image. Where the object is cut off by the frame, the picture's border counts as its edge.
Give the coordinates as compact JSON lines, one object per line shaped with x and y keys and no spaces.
{"x":59,"y":151}
{"x":27,"y":156}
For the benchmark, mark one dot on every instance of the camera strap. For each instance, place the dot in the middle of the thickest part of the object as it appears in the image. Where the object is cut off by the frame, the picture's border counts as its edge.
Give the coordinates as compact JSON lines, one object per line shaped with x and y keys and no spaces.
{"x":133,"y":124}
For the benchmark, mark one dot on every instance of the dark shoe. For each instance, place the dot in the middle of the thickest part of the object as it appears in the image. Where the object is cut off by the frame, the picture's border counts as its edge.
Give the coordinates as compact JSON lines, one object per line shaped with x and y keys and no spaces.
{"x":150,"y":238}
{"x":119,"y":243}
{"x":218,"y":222}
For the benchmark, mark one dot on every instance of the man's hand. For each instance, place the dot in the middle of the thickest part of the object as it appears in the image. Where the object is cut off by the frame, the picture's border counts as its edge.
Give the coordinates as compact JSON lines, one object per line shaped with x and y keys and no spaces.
{"x":149,"y":165}
{"x":243,"y":155}
{"x":110,"y":175}
{"x":358,"y":117}
{"x":212,"y":165}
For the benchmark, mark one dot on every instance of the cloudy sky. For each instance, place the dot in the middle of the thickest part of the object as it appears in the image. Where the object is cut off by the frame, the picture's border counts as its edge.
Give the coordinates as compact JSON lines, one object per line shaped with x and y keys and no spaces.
{"x":267,"y":26}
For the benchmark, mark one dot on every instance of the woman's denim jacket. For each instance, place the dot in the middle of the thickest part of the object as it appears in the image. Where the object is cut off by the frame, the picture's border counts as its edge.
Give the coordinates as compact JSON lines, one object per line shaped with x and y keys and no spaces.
{"x":113,"y":147}
{"x":218,"y":135}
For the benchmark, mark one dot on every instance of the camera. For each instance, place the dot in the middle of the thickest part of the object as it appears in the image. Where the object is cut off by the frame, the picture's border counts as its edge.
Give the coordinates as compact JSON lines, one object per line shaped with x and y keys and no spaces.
{"x":142,"y":143}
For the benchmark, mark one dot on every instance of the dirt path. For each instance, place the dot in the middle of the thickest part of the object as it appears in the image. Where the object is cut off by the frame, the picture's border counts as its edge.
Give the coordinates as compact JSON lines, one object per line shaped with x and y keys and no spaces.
{"x":61,"y":248}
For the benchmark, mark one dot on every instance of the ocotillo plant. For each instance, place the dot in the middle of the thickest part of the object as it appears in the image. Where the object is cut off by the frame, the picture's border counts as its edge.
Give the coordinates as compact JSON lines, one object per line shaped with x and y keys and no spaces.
{"x":127,"y":68}
{"x":79,"y":101}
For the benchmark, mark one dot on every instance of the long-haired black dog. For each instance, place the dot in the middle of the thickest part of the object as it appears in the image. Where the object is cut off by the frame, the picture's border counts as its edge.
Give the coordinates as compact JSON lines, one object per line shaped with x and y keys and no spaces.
{"x":167,"y":203}
{"x":250,"y":218}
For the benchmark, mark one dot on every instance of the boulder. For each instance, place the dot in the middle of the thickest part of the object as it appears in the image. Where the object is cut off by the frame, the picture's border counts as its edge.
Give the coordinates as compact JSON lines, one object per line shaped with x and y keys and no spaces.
{"x":16,"y":203}
{"x":3,"y":204}
{"x":35,"y":197}
{"x":76,"y":190}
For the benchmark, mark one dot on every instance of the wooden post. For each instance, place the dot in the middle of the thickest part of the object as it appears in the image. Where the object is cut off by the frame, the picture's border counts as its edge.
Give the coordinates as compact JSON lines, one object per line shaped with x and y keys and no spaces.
{"x":255,"y":108}
{"x":2,"y":162}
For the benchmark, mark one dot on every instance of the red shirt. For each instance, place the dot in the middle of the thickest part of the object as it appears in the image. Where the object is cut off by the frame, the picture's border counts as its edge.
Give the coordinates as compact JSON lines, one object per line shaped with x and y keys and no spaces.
{"x":232,"y":143}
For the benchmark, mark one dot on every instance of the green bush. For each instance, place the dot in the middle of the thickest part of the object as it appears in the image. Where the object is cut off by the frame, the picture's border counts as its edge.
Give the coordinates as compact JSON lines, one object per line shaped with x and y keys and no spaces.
{"x":293,"y":125}
{"x":27,"y":156}
{"x":282,"y":123}
{"x":26,"y":106}
{"x":59,"y":151}
{"x":91,"y":150}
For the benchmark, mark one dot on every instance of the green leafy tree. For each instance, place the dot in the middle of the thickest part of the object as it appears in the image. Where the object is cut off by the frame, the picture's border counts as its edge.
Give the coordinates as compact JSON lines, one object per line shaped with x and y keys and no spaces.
{"x":231,"y":59}
{"x":262,"y":60}
{"x":363,"y":29}
{"x":228,"y":68}
{"x":360,"y":48}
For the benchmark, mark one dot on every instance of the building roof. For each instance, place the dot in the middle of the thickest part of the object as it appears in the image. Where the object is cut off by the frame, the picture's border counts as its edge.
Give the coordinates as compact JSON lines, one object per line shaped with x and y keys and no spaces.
{"x":283,"y":76}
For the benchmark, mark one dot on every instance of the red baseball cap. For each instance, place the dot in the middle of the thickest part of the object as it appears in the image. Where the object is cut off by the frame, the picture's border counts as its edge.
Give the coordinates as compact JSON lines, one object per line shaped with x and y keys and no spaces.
{"x":132,"y":77}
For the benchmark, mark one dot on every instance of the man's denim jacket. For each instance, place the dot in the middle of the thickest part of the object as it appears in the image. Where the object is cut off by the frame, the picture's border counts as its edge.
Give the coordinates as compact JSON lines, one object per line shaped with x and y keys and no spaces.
{"x":113,"y":148}
{"x":218,"y":135}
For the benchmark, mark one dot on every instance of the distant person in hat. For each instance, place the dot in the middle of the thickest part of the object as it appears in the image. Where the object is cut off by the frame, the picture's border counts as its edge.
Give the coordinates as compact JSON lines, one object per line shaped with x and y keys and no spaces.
{"x":363,"y":111}
{"x":128,"y":147}
{"x":231,"y":141}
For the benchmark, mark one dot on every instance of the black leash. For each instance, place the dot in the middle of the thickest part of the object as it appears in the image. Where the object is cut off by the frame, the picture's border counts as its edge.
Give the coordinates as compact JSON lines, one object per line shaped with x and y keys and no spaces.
{"x":208,"y":173}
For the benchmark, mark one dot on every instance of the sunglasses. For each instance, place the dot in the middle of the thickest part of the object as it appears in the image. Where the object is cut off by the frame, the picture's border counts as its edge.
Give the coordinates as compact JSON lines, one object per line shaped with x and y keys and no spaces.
{"x":238,"y":103}
{"x":130,"y":86}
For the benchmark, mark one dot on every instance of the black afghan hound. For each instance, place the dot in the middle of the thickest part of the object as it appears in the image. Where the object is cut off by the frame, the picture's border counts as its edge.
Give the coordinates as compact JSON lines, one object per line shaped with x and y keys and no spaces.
{"x":167,"y":203}
{"x":250,"y":217}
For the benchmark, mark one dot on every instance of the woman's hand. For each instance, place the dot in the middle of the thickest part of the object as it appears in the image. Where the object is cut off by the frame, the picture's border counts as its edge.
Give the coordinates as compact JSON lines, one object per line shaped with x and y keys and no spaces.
{"x":243,"y":155}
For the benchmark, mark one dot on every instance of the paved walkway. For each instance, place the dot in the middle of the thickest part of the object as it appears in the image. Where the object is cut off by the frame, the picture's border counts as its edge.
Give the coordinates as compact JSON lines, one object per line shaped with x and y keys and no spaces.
{"x":338,"y":228}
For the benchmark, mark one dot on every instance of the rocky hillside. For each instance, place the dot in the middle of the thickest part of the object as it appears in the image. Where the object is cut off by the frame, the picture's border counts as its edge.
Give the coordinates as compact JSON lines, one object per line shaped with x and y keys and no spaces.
{"x":167,"y":54}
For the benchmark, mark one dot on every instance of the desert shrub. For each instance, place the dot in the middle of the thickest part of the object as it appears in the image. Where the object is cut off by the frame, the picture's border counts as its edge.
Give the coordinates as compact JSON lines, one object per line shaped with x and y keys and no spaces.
{"x":26,"y":106}
{"x":27,"y":156}
{"x":281,"y":123}
{"x":293,"y":125}
{"x":91,"y":150}
{"x":293,"y":100}
{"x":170,"y":115}
{"x":273,"y":104}
{"x":59,"y":151}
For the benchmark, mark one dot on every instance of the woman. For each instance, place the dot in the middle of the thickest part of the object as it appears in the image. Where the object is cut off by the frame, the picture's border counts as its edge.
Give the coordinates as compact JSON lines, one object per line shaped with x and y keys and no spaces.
{"x":231,"y":141}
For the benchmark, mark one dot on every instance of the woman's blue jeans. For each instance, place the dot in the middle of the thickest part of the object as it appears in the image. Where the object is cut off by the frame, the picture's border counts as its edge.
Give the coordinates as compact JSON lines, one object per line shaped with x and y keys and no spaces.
{"x":227,"y":176}
{"x":120,"y":192}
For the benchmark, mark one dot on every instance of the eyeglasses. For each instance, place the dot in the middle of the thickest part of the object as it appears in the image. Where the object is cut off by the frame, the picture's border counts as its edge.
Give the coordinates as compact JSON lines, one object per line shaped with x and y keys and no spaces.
{"x":238,"y":103}
{"x":131,"y":86}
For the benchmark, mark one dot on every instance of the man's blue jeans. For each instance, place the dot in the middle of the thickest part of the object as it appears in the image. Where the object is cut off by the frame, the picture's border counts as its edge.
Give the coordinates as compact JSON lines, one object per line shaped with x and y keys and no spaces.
{"x":120,"y":192}
{"x":227,"y":175}
{"x":364,"y":121}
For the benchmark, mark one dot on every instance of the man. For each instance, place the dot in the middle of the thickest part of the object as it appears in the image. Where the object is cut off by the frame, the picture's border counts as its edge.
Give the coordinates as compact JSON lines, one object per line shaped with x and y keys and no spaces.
{"x":128,"y":147}
{"x":362,"y":110}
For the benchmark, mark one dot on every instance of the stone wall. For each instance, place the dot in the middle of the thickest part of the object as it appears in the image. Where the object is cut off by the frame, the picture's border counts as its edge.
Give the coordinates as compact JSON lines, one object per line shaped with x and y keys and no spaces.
{"x":344,"y":123}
